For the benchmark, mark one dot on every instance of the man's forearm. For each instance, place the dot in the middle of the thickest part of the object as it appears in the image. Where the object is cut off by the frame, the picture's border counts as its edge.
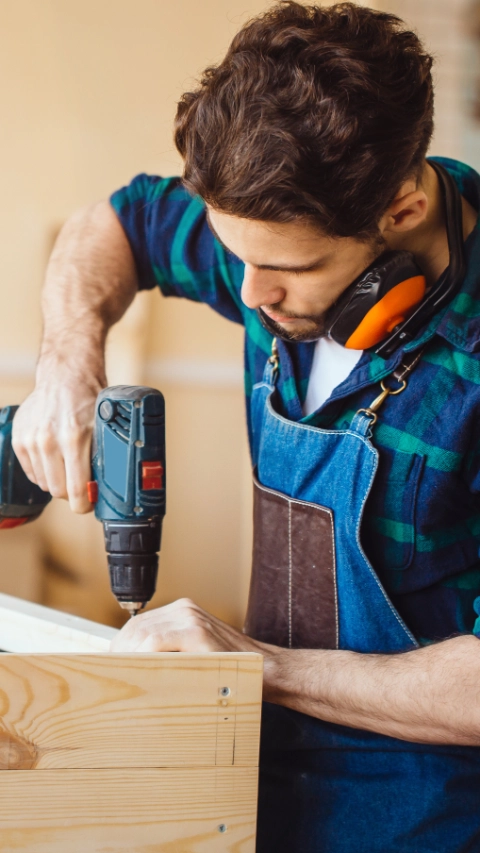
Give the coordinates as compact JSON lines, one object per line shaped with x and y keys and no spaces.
{"x":89,"y":284}
{"x":431,"y":695}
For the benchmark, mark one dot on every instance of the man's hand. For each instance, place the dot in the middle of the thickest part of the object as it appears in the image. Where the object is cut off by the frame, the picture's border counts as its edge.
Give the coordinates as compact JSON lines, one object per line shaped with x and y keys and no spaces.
{"x":52,"y":434}
{"x":90,"y":282}
{"x":183,"y":627}
{"x":429,"y":695}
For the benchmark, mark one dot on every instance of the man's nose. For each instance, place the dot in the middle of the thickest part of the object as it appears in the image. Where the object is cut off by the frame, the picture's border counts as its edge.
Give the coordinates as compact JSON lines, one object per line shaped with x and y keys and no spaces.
{"x":261,"y":287}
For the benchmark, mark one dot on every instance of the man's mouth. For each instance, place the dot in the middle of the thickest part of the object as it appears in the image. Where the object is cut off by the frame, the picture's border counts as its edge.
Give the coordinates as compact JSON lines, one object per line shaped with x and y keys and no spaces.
{"x":275,"y":323}
{"x":279,"y":318}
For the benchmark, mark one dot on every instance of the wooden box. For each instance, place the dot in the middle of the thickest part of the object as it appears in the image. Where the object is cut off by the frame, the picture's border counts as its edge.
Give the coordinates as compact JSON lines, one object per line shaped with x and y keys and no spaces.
{"x":139,"y":753}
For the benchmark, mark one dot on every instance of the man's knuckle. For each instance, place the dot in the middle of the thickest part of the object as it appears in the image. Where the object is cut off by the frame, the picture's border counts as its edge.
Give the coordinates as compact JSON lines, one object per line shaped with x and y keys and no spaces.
{"x":28,"y":443}
{"x":72,"y":438}
{"x":45,"y":441}
{"x":77,"y":490}
{"x":58,"y":491}
{"x":188,"y":606}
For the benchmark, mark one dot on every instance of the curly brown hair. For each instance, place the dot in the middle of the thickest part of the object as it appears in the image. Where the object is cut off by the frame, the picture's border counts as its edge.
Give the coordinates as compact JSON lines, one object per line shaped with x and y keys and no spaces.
{"x":315,"y":113}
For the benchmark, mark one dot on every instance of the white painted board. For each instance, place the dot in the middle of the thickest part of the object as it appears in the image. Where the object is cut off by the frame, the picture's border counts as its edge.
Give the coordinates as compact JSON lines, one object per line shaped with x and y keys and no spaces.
{"x":28,"y":628}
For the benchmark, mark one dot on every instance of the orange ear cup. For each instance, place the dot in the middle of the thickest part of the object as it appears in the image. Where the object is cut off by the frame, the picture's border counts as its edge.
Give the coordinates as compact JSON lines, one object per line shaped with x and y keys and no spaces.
{"x":391,"y":310}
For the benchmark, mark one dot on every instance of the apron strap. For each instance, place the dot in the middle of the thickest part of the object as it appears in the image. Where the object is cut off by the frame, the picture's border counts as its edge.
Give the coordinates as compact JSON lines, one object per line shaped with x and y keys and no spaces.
{"x":405,"y":367}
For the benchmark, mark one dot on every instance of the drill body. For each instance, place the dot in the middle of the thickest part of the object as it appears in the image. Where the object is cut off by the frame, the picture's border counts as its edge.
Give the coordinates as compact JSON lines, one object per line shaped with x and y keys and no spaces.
{"x":127,"y":486}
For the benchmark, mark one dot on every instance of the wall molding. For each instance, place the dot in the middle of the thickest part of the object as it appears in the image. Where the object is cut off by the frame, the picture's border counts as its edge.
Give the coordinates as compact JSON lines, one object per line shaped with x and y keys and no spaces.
{"x":17,"y":364}
{"x":207,"y":373}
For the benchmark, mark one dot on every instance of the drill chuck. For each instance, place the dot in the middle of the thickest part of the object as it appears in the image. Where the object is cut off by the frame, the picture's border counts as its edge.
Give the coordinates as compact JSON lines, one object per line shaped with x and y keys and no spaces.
{"x":133,"y":560}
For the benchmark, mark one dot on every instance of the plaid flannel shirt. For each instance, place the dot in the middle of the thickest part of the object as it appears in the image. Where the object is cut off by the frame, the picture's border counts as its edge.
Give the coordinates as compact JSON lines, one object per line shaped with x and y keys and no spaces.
{"x":421,"y":523}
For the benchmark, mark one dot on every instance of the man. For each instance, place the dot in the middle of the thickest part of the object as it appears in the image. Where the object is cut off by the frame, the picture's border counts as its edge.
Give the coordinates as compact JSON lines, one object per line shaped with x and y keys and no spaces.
{"x":305,"y":160}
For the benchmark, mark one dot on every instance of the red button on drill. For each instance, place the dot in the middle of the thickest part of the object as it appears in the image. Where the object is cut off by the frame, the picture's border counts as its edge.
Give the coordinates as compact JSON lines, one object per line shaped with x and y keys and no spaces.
{"x":92,"y":491}
{"x":8,"y":523}
{"x":152,"y":475}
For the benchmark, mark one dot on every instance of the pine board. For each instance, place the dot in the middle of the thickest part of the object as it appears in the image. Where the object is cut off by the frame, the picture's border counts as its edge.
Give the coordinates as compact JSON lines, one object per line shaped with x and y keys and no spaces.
{"x":137,"y":710}
{"x":119,"y":811}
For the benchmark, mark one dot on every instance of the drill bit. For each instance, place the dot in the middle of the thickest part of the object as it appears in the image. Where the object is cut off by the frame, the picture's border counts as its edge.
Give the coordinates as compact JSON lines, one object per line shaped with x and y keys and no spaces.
{"x":133,"y":607}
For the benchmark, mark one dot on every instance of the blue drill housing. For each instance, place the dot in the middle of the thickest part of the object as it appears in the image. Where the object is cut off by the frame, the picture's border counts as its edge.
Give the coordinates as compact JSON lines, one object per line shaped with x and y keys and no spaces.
{"x":129,"y":430}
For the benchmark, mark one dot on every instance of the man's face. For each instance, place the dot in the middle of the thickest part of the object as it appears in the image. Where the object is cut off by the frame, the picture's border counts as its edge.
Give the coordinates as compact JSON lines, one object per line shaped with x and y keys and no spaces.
{"x":293,"y":273}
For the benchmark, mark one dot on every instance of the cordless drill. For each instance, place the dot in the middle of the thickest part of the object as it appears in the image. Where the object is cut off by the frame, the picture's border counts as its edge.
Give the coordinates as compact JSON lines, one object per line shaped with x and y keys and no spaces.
{"x":127,"y":486}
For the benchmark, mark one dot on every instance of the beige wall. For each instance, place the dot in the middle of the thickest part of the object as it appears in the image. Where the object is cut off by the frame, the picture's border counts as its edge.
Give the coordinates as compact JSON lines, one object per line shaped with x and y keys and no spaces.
{"x":443,"y":25}
{"x":88,"y":90}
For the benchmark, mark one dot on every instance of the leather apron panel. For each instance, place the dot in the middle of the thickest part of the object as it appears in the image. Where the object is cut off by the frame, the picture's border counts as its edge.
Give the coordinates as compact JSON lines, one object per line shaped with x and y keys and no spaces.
{"x":293,"y":594}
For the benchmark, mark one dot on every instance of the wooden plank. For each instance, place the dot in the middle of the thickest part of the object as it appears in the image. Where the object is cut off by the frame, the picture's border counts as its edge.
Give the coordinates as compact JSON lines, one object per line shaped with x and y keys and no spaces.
{"x":203,"y":810}
{"x":136,"y":710}
{"x":28,"y":627}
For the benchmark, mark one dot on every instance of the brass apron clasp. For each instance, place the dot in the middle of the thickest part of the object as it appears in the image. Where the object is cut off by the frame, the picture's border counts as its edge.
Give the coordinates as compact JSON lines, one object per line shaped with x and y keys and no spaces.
{"x":274,"y":360}
{"x":378,"y":401}
{"x":410,"y":361}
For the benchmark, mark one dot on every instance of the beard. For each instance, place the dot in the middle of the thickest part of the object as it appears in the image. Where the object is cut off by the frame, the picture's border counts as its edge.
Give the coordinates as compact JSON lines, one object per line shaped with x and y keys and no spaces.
{"x":317,"y":328}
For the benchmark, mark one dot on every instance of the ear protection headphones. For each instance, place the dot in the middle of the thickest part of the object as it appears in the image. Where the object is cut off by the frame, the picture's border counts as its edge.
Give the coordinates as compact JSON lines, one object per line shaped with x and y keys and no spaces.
{"x":388,"y":303}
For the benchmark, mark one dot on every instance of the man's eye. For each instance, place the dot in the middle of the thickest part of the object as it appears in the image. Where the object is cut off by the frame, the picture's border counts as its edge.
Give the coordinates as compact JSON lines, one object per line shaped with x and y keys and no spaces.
{"x":304,"y":272}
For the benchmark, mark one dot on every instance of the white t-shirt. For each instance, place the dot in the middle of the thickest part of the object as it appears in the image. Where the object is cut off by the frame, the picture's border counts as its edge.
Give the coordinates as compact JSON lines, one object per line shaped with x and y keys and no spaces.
{"x":332,"y":363}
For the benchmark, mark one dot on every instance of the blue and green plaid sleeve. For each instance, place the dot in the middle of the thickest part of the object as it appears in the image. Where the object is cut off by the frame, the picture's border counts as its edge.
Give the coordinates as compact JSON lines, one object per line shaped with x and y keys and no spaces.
{"x":173,"y":246}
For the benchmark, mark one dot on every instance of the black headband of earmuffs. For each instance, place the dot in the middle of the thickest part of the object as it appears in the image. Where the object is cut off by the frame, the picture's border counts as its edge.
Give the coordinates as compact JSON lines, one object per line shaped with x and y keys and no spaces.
{"x":450,"y":280}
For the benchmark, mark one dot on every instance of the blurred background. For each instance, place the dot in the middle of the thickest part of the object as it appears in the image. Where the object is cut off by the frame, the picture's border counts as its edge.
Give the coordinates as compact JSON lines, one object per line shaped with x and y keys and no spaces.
{"x":88,"y":91}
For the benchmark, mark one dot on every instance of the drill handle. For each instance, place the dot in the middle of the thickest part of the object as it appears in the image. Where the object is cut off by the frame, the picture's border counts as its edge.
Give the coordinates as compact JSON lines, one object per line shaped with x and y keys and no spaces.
{"x":20,"y":499}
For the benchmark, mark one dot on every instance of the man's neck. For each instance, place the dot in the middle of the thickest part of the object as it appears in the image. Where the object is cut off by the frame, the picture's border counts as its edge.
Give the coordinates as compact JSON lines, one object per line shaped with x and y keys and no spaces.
{"x":428,"y":241}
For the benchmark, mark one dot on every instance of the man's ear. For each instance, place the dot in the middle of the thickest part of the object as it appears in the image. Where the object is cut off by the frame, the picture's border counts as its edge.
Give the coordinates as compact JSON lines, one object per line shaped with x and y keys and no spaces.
{"x":407,"y":210}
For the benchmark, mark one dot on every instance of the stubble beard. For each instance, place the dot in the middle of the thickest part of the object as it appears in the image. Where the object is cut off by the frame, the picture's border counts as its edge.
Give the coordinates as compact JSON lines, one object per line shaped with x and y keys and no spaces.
{"x":316,"y":330}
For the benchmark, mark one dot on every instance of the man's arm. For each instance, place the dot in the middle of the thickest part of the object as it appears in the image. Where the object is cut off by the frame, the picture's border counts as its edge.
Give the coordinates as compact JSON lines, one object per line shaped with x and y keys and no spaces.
{"x":90,"y":282}
{"x":430,"y":695}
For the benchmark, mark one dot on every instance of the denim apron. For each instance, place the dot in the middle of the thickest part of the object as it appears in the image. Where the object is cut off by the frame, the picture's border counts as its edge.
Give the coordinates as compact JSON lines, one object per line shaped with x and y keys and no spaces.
{"x":326,"y":788}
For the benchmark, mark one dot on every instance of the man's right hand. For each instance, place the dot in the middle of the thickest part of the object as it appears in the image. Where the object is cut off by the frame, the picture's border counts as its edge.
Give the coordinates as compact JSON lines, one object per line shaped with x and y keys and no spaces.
{"x":90,"y":282}
{"x":52,"y":434}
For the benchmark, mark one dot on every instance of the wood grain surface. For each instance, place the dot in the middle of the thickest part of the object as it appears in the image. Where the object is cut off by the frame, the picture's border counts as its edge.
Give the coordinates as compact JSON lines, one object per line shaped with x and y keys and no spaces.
{"x":138,"y":753}
{"x":202,"y":810}
{"x":137,"y":710}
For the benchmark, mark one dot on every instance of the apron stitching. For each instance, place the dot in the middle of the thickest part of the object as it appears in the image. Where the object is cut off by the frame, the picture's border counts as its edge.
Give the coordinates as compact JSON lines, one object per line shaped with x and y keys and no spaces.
{"x":290,"y":574}
{"x":362,"y":438}
{"x":370,"y":568}
{"x":334,"y":572}
{"x":290,"y":557}
{"x":293,"y":500}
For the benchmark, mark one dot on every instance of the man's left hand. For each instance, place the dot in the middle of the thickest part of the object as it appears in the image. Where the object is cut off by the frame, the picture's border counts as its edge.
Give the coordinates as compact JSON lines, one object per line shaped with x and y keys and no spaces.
{"x":183,"y":627}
